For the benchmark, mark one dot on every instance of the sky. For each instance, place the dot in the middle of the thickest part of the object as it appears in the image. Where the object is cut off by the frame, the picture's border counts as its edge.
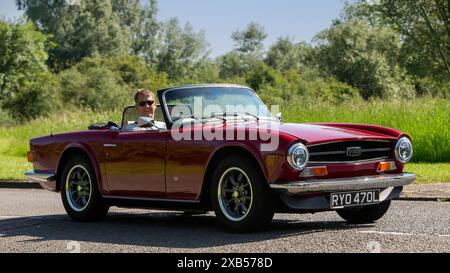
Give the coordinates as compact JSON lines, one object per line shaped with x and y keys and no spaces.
{"x":298,"y":19}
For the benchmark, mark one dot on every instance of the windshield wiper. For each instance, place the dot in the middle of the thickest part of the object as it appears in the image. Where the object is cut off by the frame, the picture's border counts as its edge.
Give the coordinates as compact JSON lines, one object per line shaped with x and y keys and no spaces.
{"x":252,"y":115}
{"x":225,"y":115}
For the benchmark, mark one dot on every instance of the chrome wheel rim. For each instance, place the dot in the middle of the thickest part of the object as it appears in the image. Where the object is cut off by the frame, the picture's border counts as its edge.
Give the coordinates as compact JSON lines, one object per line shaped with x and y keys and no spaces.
{"x":235,"y":194}
{"x":78,"y":188}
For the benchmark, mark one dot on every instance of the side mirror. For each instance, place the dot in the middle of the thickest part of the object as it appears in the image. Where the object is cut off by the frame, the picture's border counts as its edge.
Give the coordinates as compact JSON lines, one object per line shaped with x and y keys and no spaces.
{"x":280,"y":117}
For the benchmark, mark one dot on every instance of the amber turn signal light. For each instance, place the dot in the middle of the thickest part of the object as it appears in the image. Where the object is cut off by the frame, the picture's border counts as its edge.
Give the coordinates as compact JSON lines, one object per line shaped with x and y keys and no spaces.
{"x":30,"y":156}
{"x":386,"y":167}
{"x":271,"y":161}
{"x":315,"y":171}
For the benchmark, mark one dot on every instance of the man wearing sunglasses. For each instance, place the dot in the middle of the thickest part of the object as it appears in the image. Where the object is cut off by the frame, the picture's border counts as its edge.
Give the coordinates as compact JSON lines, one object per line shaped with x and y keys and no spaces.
{"x":145,"y":106}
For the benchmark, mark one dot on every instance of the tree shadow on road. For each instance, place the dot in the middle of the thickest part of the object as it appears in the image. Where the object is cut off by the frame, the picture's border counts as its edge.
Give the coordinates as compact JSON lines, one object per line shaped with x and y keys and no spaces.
{"x":158,"y":230}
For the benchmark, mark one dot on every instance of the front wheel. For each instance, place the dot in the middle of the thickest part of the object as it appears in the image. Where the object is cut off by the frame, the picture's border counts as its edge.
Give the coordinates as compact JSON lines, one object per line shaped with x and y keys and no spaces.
{"x":240,"y":196}
{"x":79,"y":191}
{"x":365,"y":215}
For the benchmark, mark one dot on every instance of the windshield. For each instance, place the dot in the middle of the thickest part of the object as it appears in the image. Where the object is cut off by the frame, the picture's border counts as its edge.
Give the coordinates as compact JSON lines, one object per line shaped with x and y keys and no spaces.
{"x":215,"y":102}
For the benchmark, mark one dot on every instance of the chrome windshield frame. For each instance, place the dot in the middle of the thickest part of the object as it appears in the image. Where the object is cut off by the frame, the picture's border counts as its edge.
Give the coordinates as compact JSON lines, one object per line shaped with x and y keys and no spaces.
{"x":167,"y":116}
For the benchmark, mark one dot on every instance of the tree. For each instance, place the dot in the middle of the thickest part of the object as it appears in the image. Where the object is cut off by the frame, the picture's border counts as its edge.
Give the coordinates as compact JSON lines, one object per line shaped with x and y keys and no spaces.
{"x":233,"y":64}
{"x":248,"y":52}
{"x":143,"y":26}
{"x":27,"y":88}
{"x":286,"y":55}
{"x":364,"y":57}
{"x":425,"y":30}
{"x":78,"y":30}
{"x":182,"y":50}
{"x":251,"y":40}
{"x":425,"y":27}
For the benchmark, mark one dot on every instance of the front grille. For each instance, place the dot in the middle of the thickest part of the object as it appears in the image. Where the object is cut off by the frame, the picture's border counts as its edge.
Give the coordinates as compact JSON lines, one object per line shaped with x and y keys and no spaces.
{"x":350,"y":151}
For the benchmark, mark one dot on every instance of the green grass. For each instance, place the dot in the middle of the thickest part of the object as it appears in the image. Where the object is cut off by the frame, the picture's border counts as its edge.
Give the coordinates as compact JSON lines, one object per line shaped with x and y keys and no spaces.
{"x":430,"y":172}
{"x":427,"y":121}
{"x":13,"y":167}
{"x":14,"y":141}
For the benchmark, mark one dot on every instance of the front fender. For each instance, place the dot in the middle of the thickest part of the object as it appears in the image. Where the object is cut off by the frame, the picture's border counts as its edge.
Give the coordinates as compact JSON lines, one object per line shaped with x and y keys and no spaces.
{"x":77,"y":148}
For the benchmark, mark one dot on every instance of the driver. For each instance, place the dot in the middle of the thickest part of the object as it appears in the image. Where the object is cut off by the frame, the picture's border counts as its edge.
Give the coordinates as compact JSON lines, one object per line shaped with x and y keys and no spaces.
{"x":145,"y":105}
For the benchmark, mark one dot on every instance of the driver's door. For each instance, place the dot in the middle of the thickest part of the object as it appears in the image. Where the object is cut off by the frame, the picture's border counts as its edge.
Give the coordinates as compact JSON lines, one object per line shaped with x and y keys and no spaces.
{"x":135,"y":164}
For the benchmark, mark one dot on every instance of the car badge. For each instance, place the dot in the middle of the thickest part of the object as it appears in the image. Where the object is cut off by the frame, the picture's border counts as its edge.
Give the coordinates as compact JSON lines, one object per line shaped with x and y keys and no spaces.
{"x":354,"y":151}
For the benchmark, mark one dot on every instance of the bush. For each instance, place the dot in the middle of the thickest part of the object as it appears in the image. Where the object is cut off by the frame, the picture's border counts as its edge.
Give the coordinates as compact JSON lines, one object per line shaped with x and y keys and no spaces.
{"x":107,"y":84}
{"x":37,"y":98}
{"x":364,"y":57}
{"x":263,"y":75}
{"x":133,"y":72}
{"x":330,"y":90}
{"x":431,"y":87}
{"x":96,"y":88}
{"x":27,"y":88}
{"x":5,"y":119}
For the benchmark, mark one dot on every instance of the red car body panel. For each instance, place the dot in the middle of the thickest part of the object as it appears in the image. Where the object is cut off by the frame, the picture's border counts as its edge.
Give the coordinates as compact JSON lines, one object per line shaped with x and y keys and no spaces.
{"x":154,"y":165}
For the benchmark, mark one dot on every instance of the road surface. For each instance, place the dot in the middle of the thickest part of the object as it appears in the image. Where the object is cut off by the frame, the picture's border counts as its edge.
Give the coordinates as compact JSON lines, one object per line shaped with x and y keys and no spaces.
{"x":33,"y":220}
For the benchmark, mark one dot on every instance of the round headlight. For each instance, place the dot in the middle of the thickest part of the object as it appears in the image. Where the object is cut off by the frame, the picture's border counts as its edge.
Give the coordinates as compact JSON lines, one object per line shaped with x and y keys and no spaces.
{"x":403,"y":150}
{"x":298,"y":156}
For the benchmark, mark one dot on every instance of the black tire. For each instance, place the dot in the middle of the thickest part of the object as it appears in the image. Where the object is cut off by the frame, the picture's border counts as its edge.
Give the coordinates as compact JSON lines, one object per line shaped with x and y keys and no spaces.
{"x":259,"y":206}
{"x":365,"y":215}
{"x":94,"y":208}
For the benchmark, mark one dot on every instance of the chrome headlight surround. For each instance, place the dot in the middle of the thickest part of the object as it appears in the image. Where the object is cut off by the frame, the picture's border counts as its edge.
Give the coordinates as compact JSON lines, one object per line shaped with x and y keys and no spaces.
{"x":298,"y":156}
{"x":404,"y":150}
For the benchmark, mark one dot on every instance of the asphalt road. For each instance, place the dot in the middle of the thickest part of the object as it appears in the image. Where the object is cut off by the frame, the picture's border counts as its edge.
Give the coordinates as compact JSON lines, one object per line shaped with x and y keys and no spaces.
{"x":35,"y":221}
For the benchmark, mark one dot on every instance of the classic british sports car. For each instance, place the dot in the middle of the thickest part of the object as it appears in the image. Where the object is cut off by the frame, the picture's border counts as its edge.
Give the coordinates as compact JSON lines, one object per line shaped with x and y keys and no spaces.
{"x":222,"y":150}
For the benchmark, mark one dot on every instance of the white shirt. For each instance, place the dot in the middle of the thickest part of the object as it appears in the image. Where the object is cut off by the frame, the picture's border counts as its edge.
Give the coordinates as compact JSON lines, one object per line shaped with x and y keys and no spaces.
{"x":133,"y":127}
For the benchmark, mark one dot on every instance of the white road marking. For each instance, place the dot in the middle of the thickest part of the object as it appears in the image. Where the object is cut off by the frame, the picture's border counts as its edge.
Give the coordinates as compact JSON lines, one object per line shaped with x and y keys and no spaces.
{"x":21,"y":217}
{"x":386,"y":233}
{"x":400,"y":233}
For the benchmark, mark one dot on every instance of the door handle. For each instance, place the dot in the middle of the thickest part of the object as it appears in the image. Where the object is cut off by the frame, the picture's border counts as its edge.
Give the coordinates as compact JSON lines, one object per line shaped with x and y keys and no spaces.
{"x":109,"y":145}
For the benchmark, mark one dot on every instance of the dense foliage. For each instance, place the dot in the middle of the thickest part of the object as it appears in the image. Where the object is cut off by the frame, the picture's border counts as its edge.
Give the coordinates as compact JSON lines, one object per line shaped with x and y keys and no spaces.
{"x":95,"y":54}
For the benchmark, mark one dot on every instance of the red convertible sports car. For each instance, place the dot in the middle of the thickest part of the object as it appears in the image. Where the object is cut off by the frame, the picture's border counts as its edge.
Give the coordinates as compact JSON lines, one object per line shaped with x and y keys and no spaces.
{"x":223,"y":150}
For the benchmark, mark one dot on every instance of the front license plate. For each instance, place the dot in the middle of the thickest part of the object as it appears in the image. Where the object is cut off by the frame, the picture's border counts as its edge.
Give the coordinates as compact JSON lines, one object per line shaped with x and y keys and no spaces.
{"x":351,"y":199}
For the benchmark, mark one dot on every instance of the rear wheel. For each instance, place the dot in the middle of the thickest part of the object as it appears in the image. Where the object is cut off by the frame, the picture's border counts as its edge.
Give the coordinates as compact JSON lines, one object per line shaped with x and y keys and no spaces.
{"x":365,"y":215}
{"x":240,"y":196}
{"x":79,"y":191}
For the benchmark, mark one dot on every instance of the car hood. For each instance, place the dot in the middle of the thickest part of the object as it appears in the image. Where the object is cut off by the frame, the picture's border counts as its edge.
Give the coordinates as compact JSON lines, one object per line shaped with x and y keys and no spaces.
{"x":319,"y":133}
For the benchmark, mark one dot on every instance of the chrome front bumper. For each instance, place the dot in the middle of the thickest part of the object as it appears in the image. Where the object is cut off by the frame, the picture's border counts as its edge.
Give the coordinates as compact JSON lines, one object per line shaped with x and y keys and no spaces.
{"x":345,"y":184}
{"x":46,"y":180}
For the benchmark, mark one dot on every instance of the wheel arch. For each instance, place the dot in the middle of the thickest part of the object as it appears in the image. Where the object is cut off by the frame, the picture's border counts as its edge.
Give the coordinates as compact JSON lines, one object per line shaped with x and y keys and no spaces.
{"x":73,"y":150}
{"x":215,"y":158}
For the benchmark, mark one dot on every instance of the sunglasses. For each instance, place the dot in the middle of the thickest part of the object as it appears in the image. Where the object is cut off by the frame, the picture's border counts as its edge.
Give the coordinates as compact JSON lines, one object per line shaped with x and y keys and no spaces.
{"x":144,"y":103}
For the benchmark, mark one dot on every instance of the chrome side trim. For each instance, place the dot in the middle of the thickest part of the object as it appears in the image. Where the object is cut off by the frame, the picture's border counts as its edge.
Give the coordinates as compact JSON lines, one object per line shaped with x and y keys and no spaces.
{"x":46,"y":180}
{"x":110,"y":145}
{"x":330,"y":153}
{"x":346,"y":184}
{"x":376,"y":150}
{"x":150,"y":199}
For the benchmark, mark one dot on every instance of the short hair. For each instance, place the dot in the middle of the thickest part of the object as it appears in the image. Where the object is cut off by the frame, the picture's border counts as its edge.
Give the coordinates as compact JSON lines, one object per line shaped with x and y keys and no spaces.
{"x":143,"y":92}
